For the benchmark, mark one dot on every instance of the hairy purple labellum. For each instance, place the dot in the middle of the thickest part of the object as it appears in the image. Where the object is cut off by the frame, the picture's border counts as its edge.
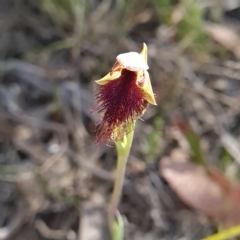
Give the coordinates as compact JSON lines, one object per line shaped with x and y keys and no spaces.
{"x":119,"y":103}
{"x":123,"y":96}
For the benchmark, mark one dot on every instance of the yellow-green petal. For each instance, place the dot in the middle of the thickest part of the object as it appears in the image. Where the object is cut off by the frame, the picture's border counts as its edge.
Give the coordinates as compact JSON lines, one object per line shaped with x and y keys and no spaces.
{"x":143,"y":53}
{"x":108,"y":77}
{"x":147,"y":89}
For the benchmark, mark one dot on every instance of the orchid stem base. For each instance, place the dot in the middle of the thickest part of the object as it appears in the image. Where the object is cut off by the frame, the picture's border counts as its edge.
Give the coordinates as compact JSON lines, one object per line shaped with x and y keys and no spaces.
{"x":123,"y":149}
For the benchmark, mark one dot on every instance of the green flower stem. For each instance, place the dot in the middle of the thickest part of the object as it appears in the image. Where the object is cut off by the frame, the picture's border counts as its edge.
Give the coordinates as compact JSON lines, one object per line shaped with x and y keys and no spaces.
{"x":123,"y":149}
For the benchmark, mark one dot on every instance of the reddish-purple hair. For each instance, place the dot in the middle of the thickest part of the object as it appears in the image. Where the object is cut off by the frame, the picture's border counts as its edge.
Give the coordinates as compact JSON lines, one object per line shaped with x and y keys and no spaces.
{"x":119,"y":103}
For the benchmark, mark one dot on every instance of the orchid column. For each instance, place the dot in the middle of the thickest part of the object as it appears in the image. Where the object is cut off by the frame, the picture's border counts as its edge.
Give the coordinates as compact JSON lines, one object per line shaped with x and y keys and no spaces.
{"x":123,"y":98}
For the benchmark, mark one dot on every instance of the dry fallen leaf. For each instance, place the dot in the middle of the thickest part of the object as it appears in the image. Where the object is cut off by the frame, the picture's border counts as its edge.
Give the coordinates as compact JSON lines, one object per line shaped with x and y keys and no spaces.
{"x":205,"y":190}
{"x":192,"y":185}
{"x":225,"y":36}
{"x":231,"y":217}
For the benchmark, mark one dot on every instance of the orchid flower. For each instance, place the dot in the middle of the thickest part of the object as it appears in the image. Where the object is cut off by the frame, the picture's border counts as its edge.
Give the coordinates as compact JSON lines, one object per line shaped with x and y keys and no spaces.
{"x":123,"y":96}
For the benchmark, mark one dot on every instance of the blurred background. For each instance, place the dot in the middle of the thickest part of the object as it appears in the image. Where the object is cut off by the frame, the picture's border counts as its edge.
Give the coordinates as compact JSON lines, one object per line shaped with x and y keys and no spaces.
{"x":182,"y":179}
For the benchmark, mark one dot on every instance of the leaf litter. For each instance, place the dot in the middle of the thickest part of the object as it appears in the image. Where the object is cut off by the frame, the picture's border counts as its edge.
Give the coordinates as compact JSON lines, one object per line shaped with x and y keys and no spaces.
{"x":55,"y":182}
